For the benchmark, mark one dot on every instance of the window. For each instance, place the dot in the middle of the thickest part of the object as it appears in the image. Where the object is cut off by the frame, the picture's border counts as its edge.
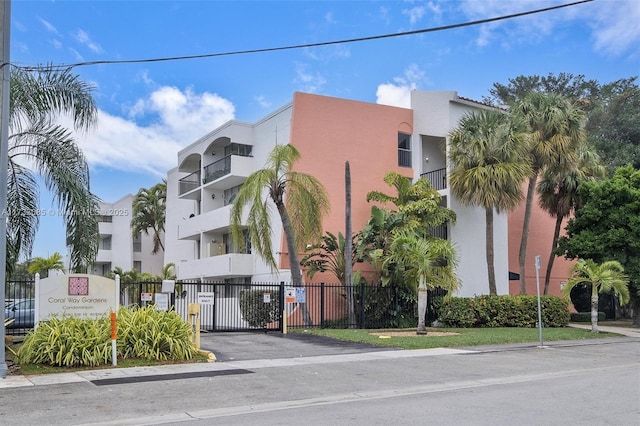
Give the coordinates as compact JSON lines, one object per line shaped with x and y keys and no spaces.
{"x":230,"y":194}
{"x":105,"y":218}
{"x":105,"y":243}
{"x":137,"y":243}
{"x":137,"y":265}
{"x":404,"y":150}
{"x":238,"y":149}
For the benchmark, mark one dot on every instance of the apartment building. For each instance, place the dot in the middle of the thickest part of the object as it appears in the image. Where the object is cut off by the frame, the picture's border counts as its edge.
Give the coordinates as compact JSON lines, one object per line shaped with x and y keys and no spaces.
{"x":118,"y":248}
{"x":328,"y":132}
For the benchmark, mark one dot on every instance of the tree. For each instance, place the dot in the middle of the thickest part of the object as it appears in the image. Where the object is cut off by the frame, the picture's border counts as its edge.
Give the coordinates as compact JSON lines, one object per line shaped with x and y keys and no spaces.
{"x":488,"y":166}
{"x":558,"y":190}
{"x":42,"y":265}
{"x":573,"y":87}
{"x":612,"y":109}
{"x":613,"y":123}
{"x":36,"y":101}
{"x":556,"y":133}
{"x":602,"y":278}
{"x":301,"y":202}
{"x":606,"y":226}
{"x":426,"y":263}
{"x":418,"y":210}
{"x":149,"y":212}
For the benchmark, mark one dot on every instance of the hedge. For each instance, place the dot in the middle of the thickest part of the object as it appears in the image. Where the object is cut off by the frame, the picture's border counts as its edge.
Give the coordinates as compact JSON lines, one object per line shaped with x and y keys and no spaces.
{"x":503,"y":311}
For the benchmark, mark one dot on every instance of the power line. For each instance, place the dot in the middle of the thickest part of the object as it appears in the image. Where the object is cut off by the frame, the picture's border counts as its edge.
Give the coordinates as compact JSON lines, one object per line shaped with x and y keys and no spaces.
{"x":301,"y":46}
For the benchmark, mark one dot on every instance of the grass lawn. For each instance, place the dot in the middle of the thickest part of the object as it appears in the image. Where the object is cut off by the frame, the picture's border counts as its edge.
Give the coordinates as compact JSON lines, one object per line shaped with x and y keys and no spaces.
{"x":456,"y":337}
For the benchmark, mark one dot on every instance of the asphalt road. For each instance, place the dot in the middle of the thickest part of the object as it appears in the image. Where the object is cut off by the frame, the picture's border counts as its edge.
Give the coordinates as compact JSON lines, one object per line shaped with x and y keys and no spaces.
{"x":581,"y":383}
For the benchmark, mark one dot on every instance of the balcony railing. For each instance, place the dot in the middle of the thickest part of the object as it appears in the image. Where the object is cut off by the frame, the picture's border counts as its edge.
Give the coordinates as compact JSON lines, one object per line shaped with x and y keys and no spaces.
{"x":438,"y":178}
{"x":219,"y":168}
{"x":440,"y":231}
{"x":189,"y":182}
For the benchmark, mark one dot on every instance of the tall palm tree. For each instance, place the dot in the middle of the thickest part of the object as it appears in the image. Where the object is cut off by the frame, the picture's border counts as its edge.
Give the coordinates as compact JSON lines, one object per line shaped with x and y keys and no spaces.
{"x":556,"y":132}
{"x":558,"y":191}
{"x":301,"y":202}
{"x":603,"y":278}
{"x":39,"y":145}
{"x":149,"y":212}
{"x":42,"y":265}
{"x":488,"y":165}
{"x":426,"y":263}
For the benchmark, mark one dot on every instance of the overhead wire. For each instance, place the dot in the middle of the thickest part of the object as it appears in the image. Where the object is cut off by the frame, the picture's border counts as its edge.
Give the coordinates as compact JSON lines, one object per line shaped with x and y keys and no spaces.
{"x":300,"y":46}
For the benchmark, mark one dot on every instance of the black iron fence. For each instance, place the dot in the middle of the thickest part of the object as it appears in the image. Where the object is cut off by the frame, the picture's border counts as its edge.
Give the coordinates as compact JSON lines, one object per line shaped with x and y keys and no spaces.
{"x":264,"y":306}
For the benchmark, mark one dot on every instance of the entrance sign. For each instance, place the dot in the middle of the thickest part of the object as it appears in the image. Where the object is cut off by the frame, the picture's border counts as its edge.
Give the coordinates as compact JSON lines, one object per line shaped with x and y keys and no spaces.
{"x":206,"y":298}
{"x":146,"y":297}
{"x":77,"y":295}
{"x":301,"y":294}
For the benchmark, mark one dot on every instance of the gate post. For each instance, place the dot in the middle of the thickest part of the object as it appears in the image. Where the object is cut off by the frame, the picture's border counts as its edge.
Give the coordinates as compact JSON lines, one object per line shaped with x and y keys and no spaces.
{"x":282,"y":307}
{"x":321,"y":305}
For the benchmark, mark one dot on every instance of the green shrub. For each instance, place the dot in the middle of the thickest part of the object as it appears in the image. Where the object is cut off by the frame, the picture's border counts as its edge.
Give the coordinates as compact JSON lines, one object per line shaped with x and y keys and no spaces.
{"x":147,"y":333}
{"x":586,"y":316}
{"x":142,"y":333}
{"x":254,"y":309}
{"x":503,"y":311}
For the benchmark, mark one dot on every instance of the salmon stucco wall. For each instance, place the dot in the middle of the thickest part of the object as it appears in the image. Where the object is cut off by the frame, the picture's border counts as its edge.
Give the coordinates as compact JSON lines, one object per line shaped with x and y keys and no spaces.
{"x":540,"y":238}
{"x":328,"y":132}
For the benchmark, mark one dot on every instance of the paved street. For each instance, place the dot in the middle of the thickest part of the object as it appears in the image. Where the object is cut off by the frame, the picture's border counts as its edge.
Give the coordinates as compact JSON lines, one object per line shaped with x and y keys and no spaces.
{"x":584,"y":382}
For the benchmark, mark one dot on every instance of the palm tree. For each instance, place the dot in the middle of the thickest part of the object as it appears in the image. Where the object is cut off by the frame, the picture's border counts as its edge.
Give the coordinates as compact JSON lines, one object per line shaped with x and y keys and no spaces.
{"x":556,"y":132}
{"x":149,"y":212}
{"x":488,"y":166}
{"x":42,"y":265}
{"x":301,"y":202}
{"x":426,"y":263}
{"x":603,"y":278}
{"x":558,"y":191}
{"x":36,"y":141}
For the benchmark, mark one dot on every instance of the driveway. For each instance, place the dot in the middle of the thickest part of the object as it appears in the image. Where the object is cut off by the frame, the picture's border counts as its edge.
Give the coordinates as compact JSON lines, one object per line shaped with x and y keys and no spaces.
{"x":240,"y":346}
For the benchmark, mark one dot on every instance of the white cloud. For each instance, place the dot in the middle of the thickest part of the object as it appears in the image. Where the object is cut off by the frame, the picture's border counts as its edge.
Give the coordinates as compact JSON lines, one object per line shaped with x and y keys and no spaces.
{"x":399,"y":93}
{"x":263,"y":101}
{"x":182,"y":117}
{"x":391,"y":94}
{"x":308,"y":81}
{"x":82,"y":37}
{"x":614,"y":24}
{"x":415,"y":13}
{"x":616,"y":29}
{"x":47,"y":25}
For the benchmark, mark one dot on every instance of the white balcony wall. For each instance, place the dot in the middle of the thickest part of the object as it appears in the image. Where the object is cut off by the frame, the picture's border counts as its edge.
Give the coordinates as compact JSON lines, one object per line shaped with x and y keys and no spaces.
{"x":105,"y":228}
{"x":224,"y":266}
{"x":103,"y":256}
{"x":191,"y":228}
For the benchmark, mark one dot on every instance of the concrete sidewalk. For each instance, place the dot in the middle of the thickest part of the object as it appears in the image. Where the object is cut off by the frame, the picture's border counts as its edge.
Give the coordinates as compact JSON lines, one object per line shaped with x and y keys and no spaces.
{"x":625,"y":331}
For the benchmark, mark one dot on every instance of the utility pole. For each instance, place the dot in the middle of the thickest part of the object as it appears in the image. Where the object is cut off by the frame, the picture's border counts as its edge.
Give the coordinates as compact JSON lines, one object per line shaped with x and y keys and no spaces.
{"x":5,"y":19}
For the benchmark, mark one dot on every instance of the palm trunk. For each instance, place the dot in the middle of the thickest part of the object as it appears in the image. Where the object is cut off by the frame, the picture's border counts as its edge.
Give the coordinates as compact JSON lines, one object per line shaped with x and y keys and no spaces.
{"x":294,"y":263}
{"x":552,"y":255}
{"x":422,"y":311}
{"x":525,"y":230}
{"x":348,"y":248}
{"x":594,"y":308}
{"x":491,"y":270}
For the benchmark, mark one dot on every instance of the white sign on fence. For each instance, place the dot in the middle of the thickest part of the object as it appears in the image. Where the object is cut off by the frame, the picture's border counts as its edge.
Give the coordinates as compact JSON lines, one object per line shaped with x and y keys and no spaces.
{"x":206,"y":298}
{"x":162,"y":301}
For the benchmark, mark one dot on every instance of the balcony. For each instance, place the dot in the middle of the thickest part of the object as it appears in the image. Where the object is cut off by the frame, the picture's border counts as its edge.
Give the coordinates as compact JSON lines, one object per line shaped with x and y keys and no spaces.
{"x":222,"y":266}
{"x":210,"y":221}
{"x":438,"y":178}
{"x":228,"y":171}
{"x":189,"y":183}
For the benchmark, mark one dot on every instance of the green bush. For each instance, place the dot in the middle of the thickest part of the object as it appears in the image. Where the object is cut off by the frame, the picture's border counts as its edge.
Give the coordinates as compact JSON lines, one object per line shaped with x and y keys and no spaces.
{"x":254,"y":309}
{"x":586,"y":316}
{"x":142,"y":333}
{"x":503,"y":311}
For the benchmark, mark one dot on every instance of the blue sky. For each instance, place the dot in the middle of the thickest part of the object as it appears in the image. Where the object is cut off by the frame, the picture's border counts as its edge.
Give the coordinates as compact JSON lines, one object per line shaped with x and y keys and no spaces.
{"x":148,"y":111}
